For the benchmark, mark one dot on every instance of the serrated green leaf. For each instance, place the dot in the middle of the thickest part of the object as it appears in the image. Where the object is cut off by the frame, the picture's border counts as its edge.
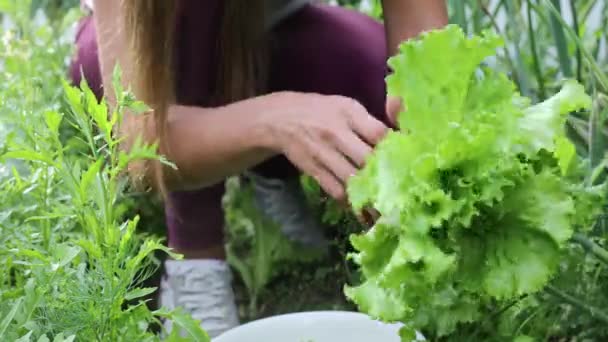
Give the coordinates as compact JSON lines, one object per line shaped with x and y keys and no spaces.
{"x":63,"y":255}
{"x":543,"y":123}
{"x":73,"y":96}
{"x":139,"y":107}
{"x":31,"y":253}
{"x":43,"y":338}
{"x":92,"y":249}
{"x":60,"y":338}
{"x":30,"y":155}
{"x":25,"y":338}
{"x":6,"y":321}
{"x":183,"y":321}
{"x":174,"y":336}
{"x":439,"y":74}
{"x":565,"y":152}
{"x":378,"y":301}
{"x":139,"y":292}
{"x":53,"y":120}
{"x":89,"y":176}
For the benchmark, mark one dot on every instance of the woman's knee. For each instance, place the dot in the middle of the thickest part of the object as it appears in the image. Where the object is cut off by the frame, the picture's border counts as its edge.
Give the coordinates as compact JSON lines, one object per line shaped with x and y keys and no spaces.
{"x":85,"y":61}
{"x":332,"y":50}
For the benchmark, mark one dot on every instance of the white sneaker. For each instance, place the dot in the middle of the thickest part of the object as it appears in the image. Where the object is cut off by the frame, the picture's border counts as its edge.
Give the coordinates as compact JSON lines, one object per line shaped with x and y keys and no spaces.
{"x":203,"y":288}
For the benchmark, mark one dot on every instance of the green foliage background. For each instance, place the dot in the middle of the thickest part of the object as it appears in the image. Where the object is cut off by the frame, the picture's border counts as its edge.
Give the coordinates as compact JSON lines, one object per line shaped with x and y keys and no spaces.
{"x":49,"y":284}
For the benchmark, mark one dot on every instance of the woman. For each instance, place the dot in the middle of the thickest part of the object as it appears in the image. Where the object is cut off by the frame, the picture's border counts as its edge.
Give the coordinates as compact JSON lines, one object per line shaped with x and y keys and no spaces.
{"x":271,"y":88}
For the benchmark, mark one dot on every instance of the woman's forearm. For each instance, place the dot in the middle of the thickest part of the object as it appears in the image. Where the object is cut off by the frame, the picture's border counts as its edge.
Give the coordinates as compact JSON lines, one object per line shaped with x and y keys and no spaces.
{"x":405,"y":19}
{"x":206,"y":144}
{"x":210,"y":144}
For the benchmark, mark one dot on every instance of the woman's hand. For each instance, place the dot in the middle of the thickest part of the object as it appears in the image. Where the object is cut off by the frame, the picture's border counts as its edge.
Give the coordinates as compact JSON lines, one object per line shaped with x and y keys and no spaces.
{"x":327,"y":137}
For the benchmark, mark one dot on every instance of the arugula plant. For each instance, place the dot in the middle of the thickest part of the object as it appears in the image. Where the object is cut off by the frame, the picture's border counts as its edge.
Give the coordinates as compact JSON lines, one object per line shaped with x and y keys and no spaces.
{"x":479,"y":191}
{"x":86,"y":281}
{"x":72,"y":265}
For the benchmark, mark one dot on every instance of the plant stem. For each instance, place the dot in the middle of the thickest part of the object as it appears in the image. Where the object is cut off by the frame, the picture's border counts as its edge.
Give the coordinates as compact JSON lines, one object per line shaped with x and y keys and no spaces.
{"x":575,"y":27}
{"x":593,"y":311}
{"x":520,"y":66}
{"x":560,"y":39}
{"x":597,"y":143}
{"x":591,"y":247}
{"x":539,"y":75}
{"x":600,"y":37}
{"x":477,"y":17}
{"x":492,"y":17}
{"x":253,"y":307}
{"x":599,"y":74}
{"x":459,"y":14}
{"x":586,"y":9}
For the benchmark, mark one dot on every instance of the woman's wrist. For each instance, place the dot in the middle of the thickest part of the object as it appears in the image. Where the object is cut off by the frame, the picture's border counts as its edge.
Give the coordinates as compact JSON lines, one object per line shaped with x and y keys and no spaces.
{"x":270,"y":131}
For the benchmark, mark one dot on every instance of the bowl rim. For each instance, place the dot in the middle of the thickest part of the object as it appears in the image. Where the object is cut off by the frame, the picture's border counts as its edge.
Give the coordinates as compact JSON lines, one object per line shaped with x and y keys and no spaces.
{"x":336,"y":313}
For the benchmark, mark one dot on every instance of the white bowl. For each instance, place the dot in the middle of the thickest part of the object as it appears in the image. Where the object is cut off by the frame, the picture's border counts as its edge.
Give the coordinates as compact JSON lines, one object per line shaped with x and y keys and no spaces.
{"x":316,"y":326}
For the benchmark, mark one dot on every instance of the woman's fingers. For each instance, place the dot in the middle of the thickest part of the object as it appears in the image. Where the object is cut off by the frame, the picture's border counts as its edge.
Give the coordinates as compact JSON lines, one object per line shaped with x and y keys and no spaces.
{"x":393,"y":107}
{"x":370,"y":129}
{"x":332,"y":141}
{"x":312,"y":159}
{"x":332,"y":186}
{"x":335,"y":162}
{"x":326,"y":179}
{"x":355,"y":149}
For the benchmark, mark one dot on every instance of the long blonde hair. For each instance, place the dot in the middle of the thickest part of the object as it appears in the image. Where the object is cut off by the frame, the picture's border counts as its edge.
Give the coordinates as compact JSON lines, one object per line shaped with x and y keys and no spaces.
{"x":150,"y":27}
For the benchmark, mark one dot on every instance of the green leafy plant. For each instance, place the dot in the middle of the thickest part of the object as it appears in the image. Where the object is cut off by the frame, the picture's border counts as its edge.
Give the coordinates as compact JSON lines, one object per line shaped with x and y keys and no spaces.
{"x":256,"y":247}
{"x":479,"y":191}
{"x":542,"y":44}
{"x":74,"y":264}
{"x":40,"y":236}
{"x":86,"y":281}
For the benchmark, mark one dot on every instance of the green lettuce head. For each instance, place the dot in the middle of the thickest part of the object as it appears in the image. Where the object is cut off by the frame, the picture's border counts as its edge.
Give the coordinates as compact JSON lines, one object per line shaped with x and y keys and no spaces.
{"x":473,"y":192}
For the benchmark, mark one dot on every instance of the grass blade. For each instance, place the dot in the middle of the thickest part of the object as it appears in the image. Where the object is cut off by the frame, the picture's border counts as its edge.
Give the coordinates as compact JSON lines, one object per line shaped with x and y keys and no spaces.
{"x":597,"y":143}
{"x":601,"y":37}
{"x":560,"y":38}
{"x":535,"y":60}
{"x":586,"y":9}
{"x":601,"y":77}
{"x":492,"y":17}
{"x":500,"y":4}
{"x":520,"y":65}
{"x":459,"y":14}
{"x":576,"y":28}
{"x":9,"y":318}
{"x":477,"y":17}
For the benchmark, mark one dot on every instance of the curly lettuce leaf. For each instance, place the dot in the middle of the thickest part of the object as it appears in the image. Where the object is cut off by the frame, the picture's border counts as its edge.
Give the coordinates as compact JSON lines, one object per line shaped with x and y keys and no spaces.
{"x":439,"y":75}
{"x":474,"y":189}
{"x":543,"y":124}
